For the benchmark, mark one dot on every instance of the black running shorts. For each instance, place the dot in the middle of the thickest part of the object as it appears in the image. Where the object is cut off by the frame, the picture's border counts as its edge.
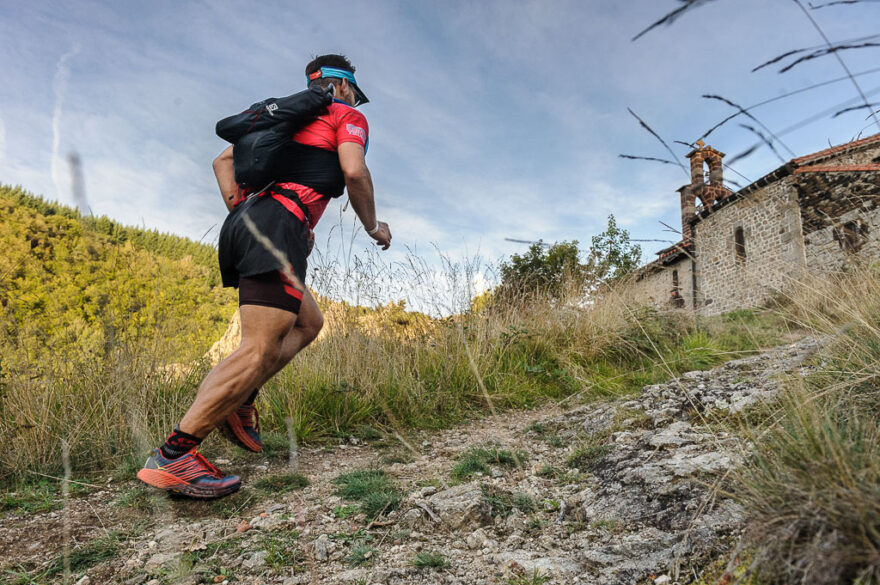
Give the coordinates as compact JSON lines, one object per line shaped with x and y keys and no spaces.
{"x":271,"y":289}
{"x":243,"y":255}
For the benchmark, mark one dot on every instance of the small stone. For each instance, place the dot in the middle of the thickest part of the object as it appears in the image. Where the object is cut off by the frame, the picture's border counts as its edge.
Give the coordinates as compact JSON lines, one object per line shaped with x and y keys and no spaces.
{"x":257,"y":560}
{"x":159,"y":560}
{"x":412,"y":518}
{"x":219,"y":578}
{"x":322,"y":547}
{"x":84,"y":580}
{"x":663,"y":580}
{"x":243,"y":526}
{"x":275,"y":508}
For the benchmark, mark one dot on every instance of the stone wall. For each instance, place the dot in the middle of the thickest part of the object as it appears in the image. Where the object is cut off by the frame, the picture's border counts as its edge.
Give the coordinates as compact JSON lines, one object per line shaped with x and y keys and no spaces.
{"x":740,"y":270}
{"x":653,"y":285}
{"x":840,"y":213}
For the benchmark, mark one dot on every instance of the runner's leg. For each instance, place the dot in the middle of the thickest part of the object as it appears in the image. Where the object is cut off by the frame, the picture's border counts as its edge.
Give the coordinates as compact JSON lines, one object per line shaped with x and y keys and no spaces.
{"x":308,"y":325}
{"x":263,"y":331}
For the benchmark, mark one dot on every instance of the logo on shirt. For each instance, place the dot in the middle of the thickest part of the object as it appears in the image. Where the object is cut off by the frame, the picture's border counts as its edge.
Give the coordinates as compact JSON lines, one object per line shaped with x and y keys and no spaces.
{"x":271,"y":108}
{"x":356,"y":131}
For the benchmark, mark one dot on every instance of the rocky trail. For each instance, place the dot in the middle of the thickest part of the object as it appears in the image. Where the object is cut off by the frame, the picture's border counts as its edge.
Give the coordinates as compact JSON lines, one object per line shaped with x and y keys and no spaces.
{"x":616,"y":492}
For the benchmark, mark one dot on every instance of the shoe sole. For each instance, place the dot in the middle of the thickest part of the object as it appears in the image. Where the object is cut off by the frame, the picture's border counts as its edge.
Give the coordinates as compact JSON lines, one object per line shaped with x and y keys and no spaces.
{"x":168,"y":482}
{"x":228,"y":431}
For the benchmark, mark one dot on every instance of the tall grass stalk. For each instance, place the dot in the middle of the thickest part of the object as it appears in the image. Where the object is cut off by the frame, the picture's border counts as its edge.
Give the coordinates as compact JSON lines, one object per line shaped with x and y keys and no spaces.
{"x":811,"y":483}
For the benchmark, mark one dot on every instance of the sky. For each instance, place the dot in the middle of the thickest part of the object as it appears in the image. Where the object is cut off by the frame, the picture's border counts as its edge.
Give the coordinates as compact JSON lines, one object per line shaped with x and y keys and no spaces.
{"x":489,"y":121}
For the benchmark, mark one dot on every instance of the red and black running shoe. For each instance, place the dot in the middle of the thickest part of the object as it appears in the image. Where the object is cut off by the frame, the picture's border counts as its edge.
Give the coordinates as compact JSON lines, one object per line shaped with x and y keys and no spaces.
{"x":242,"y":427}
{"x":190,"y":475}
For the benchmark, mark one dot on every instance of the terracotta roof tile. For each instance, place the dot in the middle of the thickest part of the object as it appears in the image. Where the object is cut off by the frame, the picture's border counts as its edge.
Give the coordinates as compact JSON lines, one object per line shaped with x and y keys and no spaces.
{"x":835,"y":149}
{"x":837,"y":168}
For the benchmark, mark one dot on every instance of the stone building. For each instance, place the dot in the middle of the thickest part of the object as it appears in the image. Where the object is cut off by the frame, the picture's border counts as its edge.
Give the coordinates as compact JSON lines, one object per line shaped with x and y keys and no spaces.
{"x":815,"y":214}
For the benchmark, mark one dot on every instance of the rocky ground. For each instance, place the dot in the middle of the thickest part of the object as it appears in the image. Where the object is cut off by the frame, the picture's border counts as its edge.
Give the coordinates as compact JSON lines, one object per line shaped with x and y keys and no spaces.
{"x":627,"y":491}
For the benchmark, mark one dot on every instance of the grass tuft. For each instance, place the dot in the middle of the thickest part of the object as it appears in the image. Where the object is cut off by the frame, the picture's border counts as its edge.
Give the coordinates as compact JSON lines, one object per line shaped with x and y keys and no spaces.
{"x":360,"y":555}
{"x":587,"y":457}
{"x":430,"y":560}
{"x":373,"y":489}
{"x":279,"y":484}
{"x":478,"y":460}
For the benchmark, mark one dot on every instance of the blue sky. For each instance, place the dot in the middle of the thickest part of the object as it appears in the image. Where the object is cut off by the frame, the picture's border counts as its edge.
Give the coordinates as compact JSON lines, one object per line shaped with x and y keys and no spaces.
{"x":489,"y":120}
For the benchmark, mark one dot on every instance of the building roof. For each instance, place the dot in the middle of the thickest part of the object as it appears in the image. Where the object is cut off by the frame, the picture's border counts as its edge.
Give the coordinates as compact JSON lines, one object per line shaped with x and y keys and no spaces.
{"x":803,"y":164}
{"x":834,"y":150}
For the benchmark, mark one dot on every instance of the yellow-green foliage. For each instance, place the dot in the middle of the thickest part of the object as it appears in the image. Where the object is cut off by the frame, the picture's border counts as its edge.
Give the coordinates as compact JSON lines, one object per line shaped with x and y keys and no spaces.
{"x":71,"y":285}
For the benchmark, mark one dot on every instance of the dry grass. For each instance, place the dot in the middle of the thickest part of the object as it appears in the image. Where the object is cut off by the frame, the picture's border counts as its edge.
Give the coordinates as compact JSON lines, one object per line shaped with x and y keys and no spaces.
{"x":812,"y":483}
{"x":390,"y":369}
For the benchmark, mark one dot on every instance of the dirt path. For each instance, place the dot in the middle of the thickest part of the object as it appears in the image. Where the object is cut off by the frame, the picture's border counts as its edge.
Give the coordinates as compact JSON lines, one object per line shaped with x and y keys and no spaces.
{"x":611,"y":492}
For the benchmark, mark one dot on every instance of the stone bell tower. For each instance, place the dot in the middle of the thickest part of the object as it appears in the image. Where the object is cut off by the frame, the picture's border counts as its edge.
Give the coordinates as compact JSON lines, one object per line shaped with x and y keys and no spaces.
{"x":706,"y":185}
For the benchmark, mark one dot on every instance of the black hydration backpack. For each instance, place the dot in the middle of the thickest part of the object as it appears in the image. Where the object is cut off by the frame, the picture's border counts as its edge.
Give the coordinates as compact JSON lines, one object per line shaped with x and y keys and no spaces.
{"x":262,"y":132}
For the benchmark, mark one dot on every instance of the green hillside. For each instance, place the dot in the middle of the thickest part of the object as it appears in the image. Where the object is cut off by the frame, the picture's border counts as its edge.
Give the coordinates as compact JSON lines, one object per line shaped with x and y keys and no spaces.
{"x":73,"y":285}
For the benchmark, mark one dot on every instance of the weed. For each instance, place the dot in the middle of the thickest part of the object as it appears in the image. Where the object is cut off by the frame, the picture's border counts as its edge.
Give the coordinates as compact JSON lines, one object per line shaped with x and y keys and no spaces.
{"x":275,"y":444}
{"x":86,"y":556}
{"x":343,"y":512}
{"x":587,"y":457}
{"x":478,"y":459}
{"x":429,"y":560}
{"x":279,"y":484}
{"x":373,"y":489}
{"x":360,"y":554}
{"x":535,"y":524}
{"x":138,"y":498}
{"x":396,"y":457}
{"x":556,"y":441}
{"x":367,"y":432}
{"x":547,"y":471}
{"x":468,"y":465}
{"x":535,"y":578}
{"x":282,"y":550}
{"x":538,"y":428}
{"x":609,"y":524}
{"x":524,"y":503}
{"x":32,"y":498}
{"x":500,"y":500}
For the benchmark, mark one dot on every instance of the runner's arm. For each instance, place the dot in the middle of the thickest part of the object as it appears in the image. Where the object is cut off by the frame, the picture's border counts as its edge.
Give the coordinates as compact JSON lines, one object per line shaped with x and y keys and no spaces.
{"x":225,"y":174}
{"x":360,"y":190}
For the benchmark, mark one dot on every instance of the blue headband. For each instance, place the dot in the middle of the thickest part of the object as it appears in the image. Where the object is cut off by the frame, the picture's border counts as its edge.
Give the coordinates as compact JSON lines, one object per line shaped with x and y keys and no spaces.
{"x":340,"y":74}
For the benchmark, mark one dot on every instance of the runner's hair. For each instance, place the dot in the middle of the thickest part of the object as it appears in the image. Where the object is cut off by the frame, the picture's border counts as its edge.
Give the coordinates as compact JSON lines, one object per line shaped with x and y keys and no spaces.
{"x":337,"y":61}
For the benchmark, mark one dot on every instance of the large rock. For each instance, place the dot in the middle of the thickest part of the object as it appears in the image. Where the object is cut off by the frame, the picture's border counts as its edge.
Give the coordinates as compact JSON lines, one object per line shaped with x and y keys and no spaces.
{"x":528,"y":563}
{"x":160,"y":560}
{"x":462,"y":506}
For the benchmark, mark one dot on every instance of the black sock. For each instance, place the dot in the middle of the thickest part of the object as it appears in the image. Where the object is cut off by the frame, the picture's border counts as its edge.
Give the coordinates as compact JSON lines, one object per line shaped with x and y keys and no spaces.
{"x":252,"y":397}
{"x":178,"y":444}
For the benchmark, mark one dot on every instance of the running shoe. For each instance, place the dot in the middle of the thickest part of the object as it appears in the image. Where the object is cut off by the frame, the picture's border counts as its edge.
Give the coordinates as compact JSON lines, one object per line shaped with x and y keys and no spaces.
{"x":242,"y":427}
{"x":190,"y":475}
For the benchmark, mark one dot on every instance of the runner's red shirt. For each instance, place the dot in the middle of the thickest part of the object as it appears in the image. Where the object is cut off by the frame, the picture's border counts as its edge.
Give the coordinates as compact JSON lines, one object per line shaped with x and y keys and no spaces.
{"x":341,"y":124}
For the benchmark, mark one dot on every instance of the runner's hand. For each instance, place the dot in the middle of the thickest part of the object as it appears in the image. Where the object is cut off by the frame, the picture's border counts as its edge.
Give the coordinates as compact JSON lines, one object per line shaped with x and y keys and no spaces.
{"x":383,"y":236}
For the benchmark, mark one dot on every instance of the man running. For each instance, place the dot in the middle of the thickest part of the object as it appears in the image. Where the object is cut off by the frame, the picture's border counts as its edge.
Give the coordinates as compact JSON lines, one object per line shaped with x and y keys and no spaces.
{"x":279,"y":317}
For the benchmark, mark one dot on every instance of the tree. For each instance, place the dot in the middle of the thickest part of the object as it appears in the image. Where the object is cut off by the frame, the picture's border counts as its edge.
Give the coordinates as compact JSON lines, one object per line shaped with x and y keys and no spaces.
{"x":542,"y":268}
{"x":612,"y":254}
{"x":557,"y":268}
